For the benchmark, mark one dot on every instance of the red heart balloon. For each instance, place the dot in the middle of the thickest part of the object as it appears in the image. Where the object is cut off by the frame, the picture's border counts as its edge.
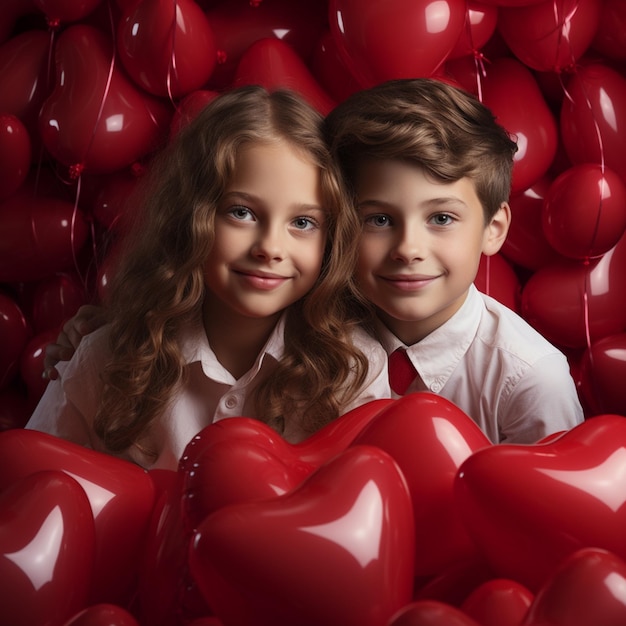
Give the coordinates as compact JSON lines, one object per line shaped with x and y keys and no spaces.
{"x":512,"y":93}
{"x":31,"y":364}
{"x":40,"y":236}
{"x":337,"y":550}
{"x":121,"y":496}
{"x":567,"y":300}
{"x":584,"y":212}
{"x":498,"y":602}
{"x":589,"y":587}
{"x":610,"y":38}
{"x":95,"y":117}
{"x":602,"y":374}
{"x":480,"y":24}
{"x":274,"y":64}
{"x":385,"y":39}
{"x":14,"y":335}
{"x":56,"y":299}
{"x":496,"y":277}
{"x":549,"y":35}
{"x":46,"y":549}
{"x":167,"y":49}
{"x":15,"y":154}
{"x":429,"y":437}
{"x":529,"y":507}
{"x":103,"y":615}
{"x":593,"y":116}
{"x":431,"y":613}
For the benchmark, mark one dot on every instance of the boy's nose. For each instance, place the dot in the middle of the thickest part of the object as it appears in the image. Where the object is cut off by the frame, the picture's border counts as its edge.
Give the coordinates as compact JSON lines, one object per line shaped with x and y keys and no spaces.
{"x":410,"y":246}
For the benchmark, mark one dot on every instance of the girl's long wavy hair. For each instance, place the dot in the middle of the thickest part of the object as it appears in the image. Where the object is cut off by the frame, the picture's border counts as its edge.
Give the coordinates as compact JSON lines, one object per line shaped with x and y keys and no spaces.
{"x":158,"y":286}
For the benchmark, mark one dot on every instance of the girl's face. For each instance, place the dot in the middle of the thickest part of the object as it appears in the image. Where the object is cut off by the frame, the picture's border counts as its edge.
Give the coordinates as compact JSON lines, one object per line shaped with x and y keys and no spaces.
{"x":270,"y":234}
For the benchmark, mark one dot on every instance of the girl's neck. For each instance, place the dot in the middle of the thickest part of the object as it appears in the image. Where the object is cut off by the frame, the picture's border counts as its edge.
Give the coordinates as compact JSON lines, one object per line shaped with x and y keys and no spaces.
{"x":237,"y":340}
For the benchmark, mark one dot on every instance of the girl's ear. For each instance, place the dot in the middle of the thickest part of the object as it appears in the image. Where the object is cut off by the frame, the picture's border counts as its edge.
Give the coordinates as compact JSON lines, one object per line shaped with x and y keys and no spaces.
{"x":496,"y":231}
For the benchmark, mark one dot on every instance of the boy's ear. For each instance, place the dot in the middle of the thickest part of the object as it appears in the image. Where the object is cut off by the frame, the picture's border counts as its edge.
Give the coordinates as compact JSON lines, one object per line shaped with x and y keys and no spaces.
{"x":496,"y":231}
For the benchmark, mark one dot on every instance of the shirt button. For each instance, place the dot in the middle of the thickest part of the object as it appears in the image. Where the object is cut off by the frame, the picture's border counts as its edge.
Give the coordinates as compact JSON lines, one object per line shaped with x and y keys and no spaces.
{"x":435,"y":387}
{"x":231,"y":402}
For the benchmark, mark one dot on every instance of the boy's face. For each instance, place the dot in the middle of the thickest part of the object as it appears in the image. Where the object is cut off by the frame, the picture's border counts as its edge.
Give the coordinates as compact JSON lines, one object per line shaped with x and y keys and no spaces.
{"x":421,"y":244}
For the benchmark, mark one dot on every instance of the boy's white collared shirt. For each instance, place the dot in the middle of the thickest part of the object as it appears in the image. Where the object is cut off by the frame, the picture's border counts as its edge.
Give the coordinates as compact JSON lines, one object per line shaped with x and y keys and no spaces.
{"x":498,"y":369}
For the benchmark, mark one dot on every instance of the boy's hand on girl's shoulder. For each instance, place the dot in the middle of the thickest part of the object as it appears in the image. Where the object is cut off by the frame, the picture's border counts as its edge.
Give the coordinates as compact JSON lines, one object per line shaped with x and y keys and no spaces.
{"x":87,"y":319}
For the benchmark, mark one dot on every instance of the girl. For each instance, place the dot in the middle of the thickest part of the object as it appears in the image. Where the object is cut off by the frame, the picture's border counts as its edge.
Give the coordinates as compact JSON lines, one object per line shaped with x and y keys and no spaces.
{"x":231,"y":293}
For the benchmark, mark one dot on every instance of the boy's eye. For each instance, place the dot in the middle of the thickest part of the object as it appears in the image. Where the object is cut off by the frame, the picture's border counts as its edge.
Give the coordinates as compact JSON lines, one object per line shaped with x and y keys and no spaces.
{"x":442,"y":219}
{"x":378,"y":220}
{"x":241,"y":213}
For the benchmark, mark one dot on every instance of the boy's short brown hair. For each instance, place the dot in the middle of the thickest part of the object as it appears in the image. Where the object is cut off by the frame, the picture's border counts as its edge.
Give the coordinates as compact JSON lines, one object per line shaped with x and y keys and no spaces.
{"x":430,"y":123}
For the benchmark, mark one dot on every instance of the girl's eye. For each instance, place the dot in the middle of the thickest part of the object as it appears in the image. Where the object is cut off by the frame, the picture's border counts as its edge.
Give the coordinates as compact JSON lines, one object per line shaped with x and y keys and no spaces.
{"x":305,"y":223}
{"x":442,"y":219}
{"x":378,"y":221}
{"x":241,"y":213}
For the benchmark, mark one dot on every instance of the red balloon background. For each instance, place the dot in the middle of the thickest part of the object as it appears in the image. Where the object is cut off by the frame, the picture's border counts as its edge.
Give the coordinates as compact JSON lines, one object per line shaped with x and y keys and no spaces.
{"x":89,"y":89}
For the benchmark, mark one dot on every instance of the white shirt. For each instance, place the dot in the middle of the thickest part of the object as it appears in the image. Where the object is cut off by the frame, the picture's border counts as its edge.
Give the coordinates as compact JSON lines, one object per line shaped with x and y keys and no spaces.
{"x":69,"y":404}
{"x":496,"y":368}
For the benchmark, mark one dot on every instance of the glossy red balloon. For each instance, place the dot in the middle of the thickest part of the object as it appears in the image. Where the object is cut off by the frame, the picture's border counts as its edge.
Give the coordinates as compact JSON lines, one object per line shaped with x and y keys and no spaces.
{"x":103,"y":615}
{"x":337,"y":550}
{"x":24,"y":66}
{"x":431,"y":613}
{"x":14,"y":335}
{"x":46,"y":549}
{"x":15,"y":154}
{"x":569,"y":300}
{"x":274,"y":64}
{"x":589,"y":587}
{"x":55,"y":300}
{"x":237,"y":24}
{"x":480,"y":25}
{"x":31,"y":364}
{"x":498,"y":602}
{"x":497,"y":278}
{"x":90,"y":121}
{"x":167,"y":48}
{"x":15,"y":409}
{"x":584,"y":212}
{"x":189,"y":107}
{"x":429,"y":437}
{"x":529,"y":507}
{"x":593,"y":117}
{"x":385,"y":39}
{"x":329,"y":68}
{"x":525,"y":244}
{"x":551,"y":35}
{"x":602,"y":372}
{"x":115,"y":200}
{"x":40,"y":236}
{"x":120,"y":493}
{"x":513,"y":95}
{"x":67,"y":10}
{"x":610,"y":38}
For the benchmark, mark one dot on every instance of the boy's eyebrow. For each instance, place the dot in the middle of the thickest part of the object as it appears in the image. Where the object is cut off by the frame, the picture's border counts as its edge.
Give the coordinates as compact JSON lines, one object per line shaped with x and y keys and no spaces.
{"x":443,"y":200}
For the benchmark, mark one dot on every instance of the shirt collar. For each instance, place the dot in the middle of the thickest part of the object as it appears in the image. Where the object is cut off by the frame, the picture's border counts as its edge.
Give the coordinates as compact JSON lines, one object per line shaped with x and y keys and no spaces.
{"x":437,"y":355}
{"x":195,"y":348}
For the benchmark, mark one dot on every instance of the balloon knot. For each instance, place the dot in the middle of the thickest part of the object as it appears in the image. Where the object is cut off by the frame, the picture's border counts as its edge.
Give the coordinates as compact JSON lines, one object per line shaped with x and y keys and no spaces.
{"x":76,"y":170}
{"x":137,"y":169}
{"x":255,"y":4}
{"x":53,"y":23}
{"x":222,"y":57}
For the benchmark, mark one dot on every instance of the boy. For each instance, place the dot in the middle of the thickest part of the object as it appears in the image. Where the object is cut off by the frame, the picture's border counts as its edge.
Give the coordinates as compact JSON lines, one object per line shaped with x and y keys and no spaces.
{"x":430,"y":172}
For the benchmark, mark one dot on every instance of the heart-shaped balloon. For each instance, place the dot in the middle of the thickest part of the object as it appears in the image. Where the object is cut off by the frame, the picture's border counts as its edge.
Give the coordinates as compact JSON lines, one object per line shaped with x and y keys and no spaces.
{"x":610,"y":37}
{"x":529,"y":507}
{"x":569,"y":301}
{"x":429,"y":437}
{"x":589,"y":587}
{"x":14,"y":335}
{"x":480,"y":24}
{"x":167,"y":49}
{"x":498,"y":602}
{"x":95,"y":118}
{"x":337,"y":550}
{"x":55,"y":300}
{"x":103,"y":615}
{"x":121,"y":495}
{"x":31,"y":364}
{"x":512,"y":93}
{"x":40,"y":236}
{"x":497,"y":278}
{"x":550,"y":36}
{"x":15,"y":154}
{"x":274,"y":64}
{"x":385,"y":39}
{"x":47,"y":544}
{"x":431,"y":613}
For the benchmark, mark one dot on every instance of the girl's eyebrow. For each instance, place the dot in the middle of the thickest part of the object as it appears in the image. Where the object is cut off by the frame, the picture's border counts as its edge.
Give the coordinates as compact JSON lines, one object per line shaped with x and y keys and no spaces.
{"x":252,"y":198}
